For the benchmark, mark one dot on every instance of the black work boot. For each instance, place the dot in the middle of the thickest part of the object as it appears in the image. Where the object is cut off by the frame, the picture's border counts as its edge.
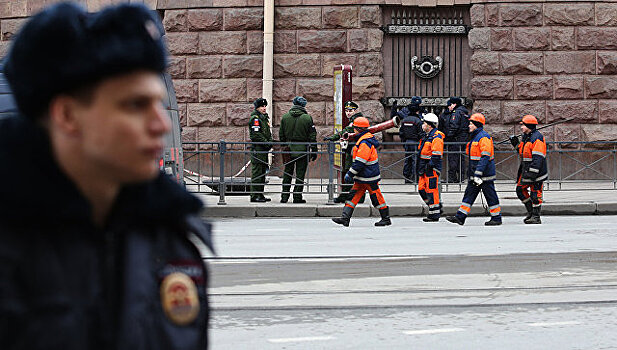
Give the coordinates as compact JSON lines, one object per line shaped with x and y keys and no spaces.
{"x":494,"y":221}
{"x":529,"y":208}
{"x":535,"y":216}
{"x":345,"y":217}
{"x":455,"y":219}
{"x":385,"y":217}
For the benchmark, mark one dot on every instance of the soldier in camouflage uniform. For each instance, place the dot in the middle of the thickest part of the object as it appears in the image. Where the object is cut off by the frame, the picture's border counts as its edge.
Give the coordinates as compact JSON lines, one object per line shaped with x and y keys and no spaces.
{"x":351,"y":110}
{"x":259,"y":131}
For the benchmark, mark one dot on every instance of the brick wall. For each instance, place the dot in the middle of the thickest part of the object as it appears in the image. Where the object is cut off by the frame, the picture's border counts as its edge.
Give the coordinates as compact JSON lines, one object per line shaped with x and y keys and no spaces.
{"x":552,"y":60}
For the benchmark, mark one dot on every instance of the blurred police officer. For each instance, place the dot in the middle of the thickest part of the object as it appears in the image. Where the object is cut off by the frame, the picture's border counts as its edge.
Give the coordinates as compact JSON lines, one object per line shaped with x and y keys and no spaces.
{"x":410,"y":133}
{"x":455,"y":126}
{"x":99,"y":250}
{"x":533,"y":169}
{"x":481,"y":173}
{"x":352,"y":112}
{"x":298,"y":129}
{"x":259,"y":131}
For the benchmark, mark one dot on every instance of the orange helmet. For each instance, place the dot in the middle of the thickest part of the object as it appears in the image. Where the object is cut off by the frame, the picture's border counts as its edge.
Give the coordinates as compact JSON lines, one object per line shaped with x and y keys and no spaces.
{"x":478,"y":117}
{"x":360,"y":122}
{"x":529,"y":119}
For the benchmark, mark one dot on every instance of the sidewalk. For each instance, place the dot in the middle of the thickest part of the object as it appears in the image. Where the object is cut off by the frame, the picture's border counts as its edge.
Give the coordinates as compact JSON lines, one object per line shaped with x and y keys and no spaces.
{"x":575,"y":199}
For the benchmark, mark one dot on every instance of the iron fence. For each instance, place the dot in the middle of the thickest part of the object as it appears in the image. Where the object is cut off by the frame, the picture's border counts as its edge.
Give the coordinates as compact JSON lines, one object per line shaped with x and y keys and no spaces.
{"x":224,"y":169}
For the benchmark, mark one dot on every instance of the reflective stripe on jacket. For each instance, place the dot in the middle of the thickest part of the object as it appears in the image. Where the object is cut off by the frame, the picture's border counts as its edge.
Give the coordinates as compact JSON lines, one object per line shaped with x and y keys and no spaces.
{"x":481,"y":156}
{"x":532,"y":150}
{"x":431,"y":150}
{"x":365,"y":166}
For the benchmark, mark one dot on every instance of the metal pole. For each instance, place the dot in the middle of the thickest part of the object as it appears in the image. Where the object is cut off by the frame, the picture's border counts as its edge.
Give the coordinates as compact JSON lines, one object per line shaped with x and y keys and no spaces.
{"x":330,"y":173}
{"x":222,"y":149}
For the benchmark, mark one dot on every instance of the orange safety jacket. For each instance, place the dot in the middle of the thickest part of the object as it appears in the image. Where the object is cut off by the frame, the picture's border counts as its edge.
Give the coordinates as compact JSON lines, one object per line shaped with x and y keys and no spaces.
{"x":532,"y":149}
{"x":431,"y":152}
{"x":365,"y":166}
{"x":481,"y":156}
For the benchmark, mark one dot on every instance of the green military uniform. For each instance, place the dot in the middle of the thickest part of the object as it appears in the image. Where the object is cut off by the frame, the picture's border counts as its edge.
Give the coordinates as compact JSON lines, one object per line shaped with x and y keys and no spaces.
{"x":348,"y":157}
{"x":297,"y":126}
{"x":259,"y":131}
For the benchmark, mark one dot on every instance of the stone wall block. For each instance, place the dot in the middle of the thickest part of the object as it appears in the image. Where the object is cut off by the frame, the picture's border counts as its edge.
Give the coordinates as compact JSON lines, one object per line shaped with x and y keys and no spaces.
{"x":490,"y":109}
{"x":286,"y":66}
{"x":251,"y":18}
{"x":340,"y":17}
{"x":177,"y":67}
{"x":569,"y":14}
{"x":570,"y":62}
{"x":217,"y":43}
{"x":205,"y":19}
{"x":284,"y":89}
{"x":607,"y":62}
{"x":182,"y":114}
{"x":362,"y":40}
{"x":533,"y":88}
{"x":513,"y":111}
{"x":208,"y":67}
{"x":562,"y":38}
{"x":279,"y":109}
{"x":10,"y":27}
{"x":607,"y":109}
{"x":596,"y":38}
{"x":583,"y":111}
{"x":187,"y":90}
{"x":238,"y":114}
{"x":254,"y":89}
{"x":222,"y":90}
{"x":525,"y":15}
{"x":189,"y":134}
{"x":312,"y":41}
{"x":297,"y":17}
{"x":208,"y":115}
{"x":568,"y":87}
{"x":371,"y":109}
{"x":329,"y":61}
{"x":370,"y":64}
{"x":479,"y":38}
{"x":255,"y":42}
{"x":606,"y":14}
{"x":601,"y":86}
{"x":182,"y":43}
{"x":590,"y":133}
{"x":366,"y":88}
{"x":243,"y":66}
{"x":501,"y":39}
{"x":522,"y":63}
{"x":477,"y":15}
{"x":564,"y":132}
{"x":528,"y":39}
{"x":284,"y":41}
{"x":316,"y":89}
{"x":491,"y":88}
{"x":370,"y":16}
{"x":176,"y":21}
{"x":485,"y":63}
{"x":209,"y":134}
{"x":492,"y":15}
{"x":317,"y":110}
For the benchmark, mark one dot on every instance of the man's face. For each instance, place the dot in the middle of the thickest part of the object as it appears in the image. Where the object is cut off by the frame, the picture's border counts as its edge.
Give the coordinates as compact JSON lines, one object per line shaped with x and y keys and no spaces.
{"x":262,"y":109}
{"x":451,"y":107}
{"x":472,"y":127}
{"x":525,"y":129}
{"x":426,"y":127}
{"x":121,"y":129}
{"x":349,"y":112}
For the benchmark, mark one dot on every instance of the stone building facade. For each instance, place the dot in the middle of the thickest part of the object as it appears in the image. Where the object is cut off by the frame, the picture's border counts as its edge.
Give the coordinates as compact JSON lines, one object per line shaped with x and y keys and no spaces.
{"x":555,"y":60}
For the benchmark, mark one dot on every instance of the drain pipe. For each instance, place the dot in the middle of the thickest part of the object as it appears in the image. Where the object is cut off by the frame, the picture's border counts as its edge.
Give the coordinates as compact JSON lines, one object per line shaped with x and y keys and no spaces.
{"x":268,"y":61}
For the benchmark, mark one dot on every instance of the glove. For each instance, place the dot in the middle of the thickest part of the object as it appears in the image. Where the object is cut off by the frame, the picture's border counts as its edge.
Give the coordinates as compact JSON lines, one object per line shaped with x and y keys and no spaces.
{"x":394,"y":109}
{"x":477,"y":181}
{"x":348,"y":178}
{"x":514,"y":141}
{"x":421,"y":170}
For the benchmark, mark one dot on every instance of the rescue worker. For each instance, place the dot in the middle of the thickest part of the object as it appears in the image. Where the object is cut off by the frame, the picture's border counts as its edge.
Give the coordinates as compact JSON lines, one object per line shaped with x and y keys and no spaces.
{"x":533,"y":169}
{"x":297,"y":127}
{"x":456,"y":129}
{"x":352,"y":112}
{"x":105,"y":251}
{"x":365,"y":176}
{"x":259,"y":131}
{"x":481,"y":173}
{"x":430,"y":153}
{"x":410,"y":133}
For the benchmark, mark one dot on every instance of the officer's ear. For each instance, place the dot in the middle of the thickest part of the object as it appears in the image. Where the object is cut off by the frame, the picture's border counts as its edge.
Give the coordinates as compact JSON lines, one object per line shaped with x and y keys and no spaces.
{"x":63,"y":115}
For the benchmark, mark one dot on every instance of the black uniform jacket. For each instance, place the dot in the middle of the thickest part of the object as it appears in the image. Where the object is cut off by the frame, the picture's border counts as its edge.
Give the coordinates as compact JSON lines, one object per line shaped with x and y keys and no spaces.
{"x":68,"y":284}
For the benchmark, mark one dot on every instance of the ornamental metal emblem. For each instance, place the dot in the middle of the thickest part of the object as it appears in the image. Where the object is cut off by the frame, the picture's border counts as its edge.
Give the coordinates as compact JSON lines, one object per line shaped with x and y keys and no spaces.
{"x":426,"y":67}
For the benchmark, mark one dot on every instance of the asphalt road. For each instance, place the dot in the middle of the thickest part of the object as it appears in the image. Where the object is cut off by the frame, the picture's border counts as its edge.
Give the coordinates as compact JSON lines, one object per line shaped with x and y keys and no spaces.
{"x":308,"y":284}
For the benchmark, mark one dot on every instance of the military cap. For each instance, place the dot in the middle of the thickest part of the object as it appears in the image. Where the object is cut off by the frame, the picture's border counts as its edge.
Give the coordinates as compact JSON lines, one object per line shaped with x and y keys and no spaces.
{"x":416,"y":100}
{"x":351,"y":105}
{"x":456,"y":100}
{"x":260,"y":102}
{"x":64,"y":48}
{"x":299,"y":101}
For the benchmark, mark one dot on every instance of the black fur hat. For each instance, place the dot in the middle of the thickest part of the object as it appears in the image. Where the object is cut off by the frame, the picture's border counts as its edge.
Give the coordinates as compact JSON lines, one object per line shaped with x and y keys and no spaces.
{"x":64,"y":48}
{"x":456,"y":100}
{"x":260,"y":102}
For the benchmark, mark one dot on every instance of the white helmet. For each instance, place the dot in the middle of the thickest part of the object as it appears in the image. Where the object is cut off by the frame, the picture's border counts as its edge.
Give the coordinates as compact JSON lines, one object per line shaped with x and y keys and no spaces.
{"x":431,"y":118}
